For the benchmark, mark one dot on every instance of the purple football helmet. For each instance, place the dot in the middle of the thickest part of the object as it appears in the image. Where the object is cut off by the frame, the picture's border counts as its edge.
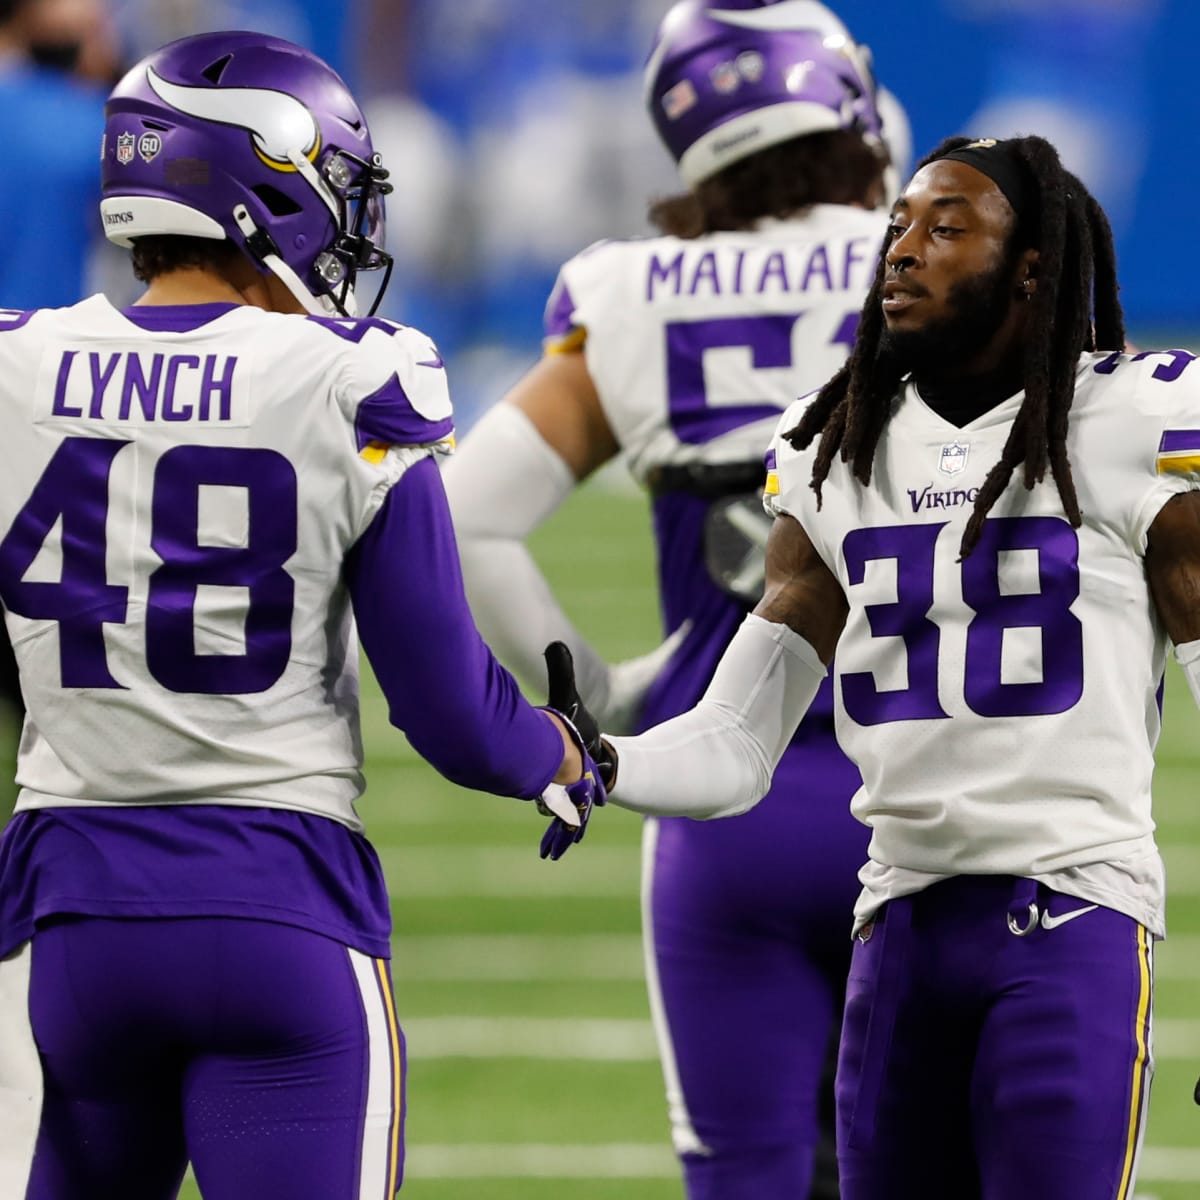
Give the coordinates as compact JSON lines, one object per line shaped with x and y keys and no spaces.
{"x":727,"y":78}
{"x":250,"y":138}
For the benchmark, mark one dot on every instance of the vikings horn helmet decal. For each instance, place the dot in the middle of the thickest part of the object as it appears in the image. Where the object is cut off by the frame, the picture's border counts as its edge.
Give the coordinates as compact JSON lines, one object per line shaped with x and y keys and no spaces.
{"x":277,"y":122}
{"x":258,"y":142}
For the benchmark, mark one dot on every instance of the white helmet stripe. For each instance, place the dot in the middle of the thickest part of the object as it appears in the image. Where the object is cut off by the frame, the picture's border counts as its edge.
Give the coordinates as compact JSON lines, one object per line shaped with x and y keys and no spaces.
{"x":787,"y":15}
{"x":278,"y":123}
{"x":650,"y":71}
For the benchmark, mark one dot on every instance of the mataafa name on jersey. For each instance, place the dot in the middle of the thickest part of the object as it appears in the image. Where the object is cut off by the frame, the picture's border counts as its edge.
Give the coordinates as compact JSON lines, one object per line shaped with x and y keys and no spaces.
{"x":141,"y":388}
{"x":740,"y":270}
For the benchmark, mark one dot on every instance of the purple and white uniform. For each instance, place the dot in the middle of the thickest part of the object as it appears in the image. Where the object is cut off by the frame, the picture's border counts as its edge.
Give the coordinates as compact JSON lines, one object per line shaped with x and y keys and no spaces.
{"x":694,"y":347}
{"x":1004,"y":711}
{"x":198,"y":505}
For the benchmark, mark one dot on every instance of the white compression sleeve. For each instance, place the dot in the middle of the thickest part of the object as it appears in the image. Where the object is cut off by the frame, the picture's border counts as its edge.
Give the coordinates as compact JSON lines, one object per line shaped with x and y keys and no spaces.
{"x":503,"y":482}
{"x":717,"y":760}
{"x":1187,"y":655}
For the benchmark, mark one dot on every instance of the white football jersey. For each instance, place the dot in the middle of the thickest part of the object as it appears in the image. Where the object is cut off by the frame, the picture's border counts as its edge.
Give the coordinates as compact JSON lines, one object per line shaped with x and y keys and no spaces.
{"x":695,"y":348}
{"x":1004,"y":710}
{"x":696,"y":345}
{"x":176,"y":503}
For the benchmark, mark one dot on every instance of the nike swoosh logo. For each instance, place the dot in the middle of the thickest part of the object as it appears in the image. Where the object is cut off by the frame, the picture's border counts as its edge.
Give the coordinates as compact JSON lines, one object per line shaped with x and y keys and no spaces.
{"x":1049,"y":922}
{"x":434,"y":362}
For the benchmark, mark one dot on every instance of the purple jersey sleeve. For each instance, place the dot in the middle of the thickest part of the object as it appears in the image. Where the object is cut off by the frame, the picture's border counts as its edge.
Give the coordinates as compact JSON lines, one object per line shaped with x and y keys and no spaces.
{"x":461,"y":710}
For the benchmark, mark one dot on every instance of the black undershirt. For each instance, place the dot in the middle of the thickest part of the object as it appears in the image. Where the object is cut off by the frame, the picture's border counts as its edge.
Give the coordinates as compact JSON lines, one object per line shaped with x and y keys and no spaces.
{"x":960,"y":401}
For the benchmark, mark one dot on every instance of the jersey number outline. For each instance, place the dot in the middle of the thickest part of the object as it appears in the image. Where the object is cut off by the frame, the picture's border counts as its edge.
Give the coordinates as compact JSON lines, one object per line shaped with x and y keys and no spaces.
{"x":768,"y":337}
{"x":73,"y":489}
{"x":1048,"y":610}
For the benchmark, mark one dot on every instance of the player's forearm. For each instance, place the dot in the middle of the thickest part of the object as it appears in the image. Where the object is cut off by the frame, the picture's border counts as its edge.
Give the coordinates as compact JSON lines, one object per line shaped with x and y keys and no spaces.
{"x":460,"y":709}
{"x":502,"y":483}
{"x":717,"y":760}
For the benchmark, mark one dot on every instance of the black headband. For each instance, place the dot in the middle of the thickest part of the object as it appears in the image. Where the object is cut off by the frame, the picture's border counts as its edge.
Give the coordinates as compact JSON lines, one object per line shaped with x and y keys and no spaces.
{"x":1001,"y":163}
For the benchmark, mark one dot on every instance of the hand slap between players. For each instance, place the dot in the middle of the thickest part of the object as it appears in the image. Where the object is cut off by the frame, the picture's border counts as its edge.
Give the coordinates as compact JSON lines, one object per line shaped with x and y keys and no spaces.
{"x":571,"y":806}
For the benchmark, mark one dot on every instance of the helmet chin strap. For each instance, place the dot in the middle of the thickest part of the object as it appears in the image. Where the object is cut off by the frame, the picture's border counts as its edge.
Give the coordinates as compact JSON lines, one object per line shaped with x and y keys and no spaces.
{"x":264,"y":249}
{"x":309,"y":173}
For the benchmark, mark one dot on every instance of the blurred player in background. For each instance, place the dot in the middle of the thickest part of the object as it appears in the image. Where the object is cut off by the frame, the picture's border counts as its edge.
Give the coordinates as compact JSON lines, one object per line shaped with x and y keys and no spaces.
{"x":54,"y":57}
{"x":200,"y":496}
{"x":57,"y":61}
{"x":992,"y":512}
{"x":681,"y":351}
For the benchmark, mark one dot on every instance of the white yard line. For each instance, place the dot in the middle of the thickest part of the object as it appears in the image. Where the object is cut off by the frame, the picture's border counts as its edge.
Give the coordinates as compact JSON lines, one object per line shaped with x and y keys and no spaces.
{"x":1178,"y":958}
{"x":1180,"y":822}
{"x":1177,"y":1037}
{"x":607,"y":1040}
{"x":620,"y":1160}
{"x":1183,"y":869}
{"x":1169,"y":1164}
{"x":509,"y":871}
{"x":512,"y":956}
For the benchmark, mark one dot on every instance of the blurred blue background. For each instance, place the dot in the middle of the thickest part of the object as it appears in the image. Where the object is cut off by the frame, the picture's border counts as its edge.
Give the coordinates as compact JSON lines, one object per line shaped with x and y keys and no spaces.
{"x":515,"y":134}
{"x":543,"y":144}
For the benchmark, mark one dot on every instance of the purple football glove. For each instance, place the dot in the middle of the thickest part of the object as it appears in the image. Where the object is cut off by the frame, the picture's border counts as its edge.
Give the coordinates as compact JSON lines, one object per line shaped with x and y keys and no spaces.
{"x":571,"y":807}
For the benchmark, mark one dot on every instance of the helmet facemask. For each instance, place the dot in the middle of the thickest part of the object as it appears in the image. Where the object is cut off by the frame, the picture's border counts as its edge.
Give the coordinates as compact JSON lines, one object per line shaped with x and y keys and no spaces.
{"x":352,"y":188}
{"x":358,"y":187}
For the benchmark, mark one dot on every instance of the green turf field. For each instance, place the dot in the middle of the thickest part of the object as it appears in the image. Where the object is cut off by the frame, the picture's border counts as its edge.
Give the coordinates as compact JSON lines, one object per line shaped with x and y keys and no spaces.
{"x":532,"y":1068}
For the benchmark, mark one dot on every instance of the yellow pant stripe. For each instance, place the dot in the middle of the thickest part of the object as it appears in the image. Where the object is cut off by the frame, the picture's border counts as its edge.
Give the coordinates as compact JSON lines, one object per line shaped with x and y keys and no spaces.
{"x":385,"y":986}
{"x":1138,"y":1091}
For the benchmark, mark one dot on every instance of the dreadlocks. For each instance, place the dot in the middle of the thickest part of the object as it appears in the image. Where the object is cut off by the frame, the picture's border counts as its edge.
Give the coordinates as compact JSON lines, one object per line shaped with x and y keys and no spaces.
{"x":1074,"y":309}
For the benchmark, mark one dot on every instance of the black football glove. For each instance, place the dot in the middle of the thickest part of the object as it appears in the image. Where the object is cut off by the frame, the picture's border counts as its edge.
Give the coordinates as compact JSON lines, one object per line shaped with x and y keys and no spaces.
{"x":564,"y":696}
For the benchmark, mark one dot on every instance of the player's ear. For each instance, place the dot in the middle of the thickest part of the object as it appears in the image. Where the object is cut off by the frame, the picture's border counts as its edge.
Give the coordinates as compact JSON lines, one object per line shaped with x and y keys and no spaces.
{"x":1027,"y":274}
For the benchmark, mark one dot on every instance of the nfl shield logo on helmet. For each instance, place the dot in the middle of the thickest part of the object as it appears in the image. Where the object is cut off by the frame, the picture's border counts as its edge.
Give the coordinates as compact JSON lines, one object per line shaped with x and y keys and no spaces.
{"x":678,"y":99}
{"x":725,"y":78}
{"x":953,"y":458}
{"x":125,"y":143}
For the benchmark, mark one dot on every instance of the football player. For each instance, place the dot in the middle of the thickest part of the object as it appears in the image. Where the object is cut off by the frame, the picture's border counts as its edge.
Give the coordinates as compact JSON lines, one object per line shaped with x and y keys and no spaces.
{"x":681,"y":351}
{"x":201,"y":495}
{"x":992,"y":512}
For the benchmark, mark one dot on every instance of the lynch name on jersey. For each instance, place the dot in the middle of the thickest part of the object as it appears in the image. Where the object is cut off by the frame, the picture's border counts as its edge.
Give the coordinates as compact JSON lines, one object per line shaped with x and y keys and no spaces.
{"x":127,"y":386}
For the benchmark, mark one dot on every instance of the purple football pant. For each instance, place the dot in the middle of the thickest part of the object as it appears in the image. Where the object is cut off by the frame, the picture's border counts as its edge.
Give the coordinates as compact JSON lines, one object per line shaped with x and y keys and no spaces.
{"x":980,"y":1065}
{"x":267,"y":1055}
{"x":747,"y":925}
